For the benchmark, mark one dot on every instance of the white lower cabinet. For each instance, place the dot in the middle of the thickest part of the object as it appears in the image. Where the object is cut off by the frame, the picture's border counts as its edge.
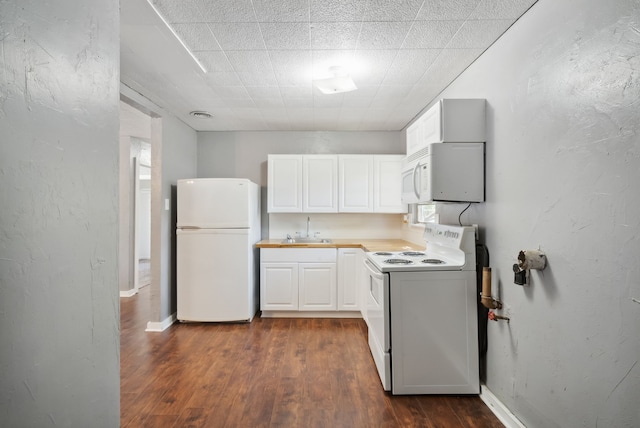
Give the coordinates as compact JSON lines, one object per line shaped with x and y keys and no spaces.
{"x":317,"y":286}
{"x":349,"y":261}
{"x":294,"y":279}
{"x":279,"y":286}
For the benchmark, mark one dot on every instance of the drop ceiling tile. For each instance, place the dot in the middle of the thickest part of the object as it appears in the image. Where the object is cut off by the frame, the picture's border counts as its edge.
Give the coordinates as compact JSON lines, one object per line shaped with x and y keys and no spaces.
{"x":448,"y":65}
{"x":265,"y":103}
{"x":478,"y":34}
{"x":286,"y":35}
{"x":409,"y":66}
{"x":235,"y":103}
{"x":326,"y":58}
{"x":233,"y":92}
{"x":277,"y":113}
{"x":356,"y":102}
{"x":370,"y":66}
{"x":501,"y":9}
{"x":298,"y":102}
{"x":253,"y":61}
{"x":258,"y":92}
{"x":293,"y":77}
{"x":289,"y":59}
{"x":393,"y":92}
{"x":222,"y":78}
{"x":238,"y":35}
{"x":321,"y":100}
{"x":198,"y":37}
{"x":214,"y":60}
{"x":436,"y":10}
{"x":383,"y":35}
{"x":174,"y":11}
{"x":334,"y":35}
{"x":226,"y":11}
{"x":330,"y":11}
{"x":431,"y":34}
{"x":392,"y":10}
{"x":281,"y":10}
{"x":296,"y":91}
{"x":258,"y":78}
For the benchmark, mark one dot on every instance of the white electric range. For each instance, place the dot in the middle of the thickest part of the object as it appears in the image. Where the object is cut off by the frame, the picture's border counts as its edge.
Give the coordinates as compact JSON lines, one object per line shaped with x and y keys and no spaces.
{"x":422,"y":314}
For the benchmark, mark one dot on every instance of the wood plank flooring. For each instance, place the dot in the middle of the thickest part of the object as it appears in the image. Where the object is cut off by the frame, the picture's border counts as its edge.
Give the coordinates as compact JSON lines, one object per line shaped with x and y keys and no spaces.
{"x":269,"y":373}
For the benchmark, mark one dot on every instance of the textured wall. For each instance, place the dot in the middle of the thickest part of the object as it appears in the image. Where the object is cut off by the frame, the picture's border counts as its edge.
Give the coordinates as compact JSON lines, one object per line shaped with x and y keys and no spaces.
{"x":563,"y":173}
{"x":59,"y":317}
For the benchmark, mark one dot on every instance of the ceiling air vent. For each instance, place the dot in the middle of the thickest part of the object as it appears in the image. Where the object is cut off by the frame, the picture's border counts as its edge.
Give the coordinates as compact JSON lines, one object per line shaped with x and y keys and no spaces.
{"x":201,"y":114}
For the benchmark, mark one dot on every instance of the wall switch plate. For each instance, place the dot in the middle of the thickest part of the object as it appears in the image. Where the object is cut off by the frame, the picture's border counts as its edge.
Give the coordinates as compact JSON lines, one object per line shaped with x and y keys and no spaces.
{"x":166,"y":204}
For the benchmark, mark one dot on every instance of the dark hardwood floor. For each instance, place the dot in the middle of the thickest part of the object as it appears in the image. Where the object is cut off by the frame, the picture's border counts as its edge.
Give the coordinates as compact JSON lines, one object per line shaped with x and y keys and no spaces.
{"x":269,"y":373}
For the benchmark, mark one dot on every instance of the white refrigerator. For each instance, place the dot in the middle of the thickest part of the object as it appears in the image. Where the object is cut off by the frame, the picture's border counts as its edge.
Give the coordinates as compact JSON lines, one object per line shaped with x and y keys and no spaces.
{"x":218,"y":225}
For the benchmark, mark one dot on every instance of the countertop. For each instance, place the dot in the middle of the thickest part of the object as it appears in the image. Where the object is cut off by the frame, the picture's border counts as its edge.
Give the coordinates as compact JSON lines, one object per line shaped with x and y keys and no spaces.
{"x":365,"y":244}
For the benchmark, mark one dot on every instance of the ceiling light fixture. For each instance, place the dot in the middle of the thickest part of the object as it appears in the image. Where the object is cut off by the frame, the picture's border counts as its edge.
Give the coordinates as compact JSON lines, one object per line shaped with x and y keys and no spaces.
{"x":338,"y":83}
{"x":204,"y":70}
{"x":201,"y":114}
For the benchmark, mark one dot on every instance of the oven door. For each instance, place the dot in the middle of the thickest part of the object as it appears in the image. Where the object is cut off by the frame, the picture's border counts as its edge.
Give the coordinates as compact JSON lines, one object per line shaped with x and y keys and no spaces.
{"x":378,"y":316}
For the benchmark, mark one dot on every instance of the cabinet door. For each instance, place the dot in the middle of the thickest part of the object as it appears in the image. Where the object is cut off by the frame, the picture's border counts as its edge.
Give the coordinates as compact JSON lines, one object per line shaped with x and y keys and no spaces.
{"x":355,"y":178}
{"x":279,"y":286}
{"x":317,"y":283}
{"x":432,"y":125}
{"x":320,"y":183}
{"x":349,"y":260}
{"x":284,"y":183}
{"x":414,"y":136}
{"x":388,"y":184}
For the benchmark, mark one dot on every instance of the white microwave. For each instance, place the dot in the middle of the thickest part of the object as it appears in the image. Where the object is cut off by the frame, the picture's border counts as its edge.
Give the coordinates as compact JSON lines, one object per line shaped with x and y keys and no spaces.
{"x":448,"y":172}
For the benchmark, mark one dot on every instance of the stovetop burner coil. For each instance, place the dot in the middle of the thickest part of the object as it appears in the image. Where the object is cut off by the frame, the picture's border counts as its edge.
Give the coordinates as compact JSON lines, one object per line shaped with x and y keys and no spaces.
{"x":398,"y":261}
{"x":382,"y":253}
{"x":412,"y":253}
{"x":433,"y":261}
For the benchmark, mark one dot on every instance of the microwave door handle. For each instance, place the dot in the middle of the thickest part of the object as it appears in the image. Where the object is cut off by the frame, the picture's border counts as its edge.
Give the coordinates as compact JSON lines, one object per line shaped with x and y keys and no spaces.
{"x":415,"y":188}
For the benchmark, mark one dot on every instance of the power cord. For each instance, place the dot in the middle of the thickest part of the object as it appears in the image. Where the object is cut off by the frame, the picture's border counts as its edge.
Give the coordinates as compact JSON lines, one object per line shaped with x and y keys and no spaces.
{"x":460,"y":216}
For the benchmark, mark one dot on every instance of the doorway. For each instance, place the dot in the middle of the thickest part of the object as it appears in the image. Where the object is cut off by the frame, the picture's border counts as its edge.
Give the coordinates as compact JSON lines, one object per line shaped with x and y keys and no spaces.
{"x":135,"y":200}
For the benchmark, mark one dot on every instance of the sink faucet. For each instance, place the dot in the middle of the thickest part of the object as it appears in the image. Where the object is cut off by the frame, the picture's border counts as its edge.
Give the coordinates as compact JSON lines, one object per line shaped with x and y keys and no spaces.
{"x":308,"y":223}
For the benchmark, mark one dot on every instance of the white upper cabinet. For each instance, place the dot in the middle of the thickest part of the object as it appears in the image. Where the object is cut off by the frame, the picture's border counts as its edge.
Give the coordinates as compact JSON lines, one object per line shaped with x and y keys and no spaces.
{"x":355,"y":178}
{"x":320,"y":183}
{"x":284,"y":185}
{"x":334,"y":183}
{"x":387,"y":195}
{"x":302,"y":183}
{"x":449,"y":121}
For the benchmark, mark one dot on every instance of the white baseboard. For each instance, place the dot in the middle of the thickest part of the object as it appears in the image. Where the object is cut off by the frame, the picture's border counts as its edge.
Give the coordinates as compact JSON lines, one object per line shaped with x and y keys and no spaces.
{"x":161,"y":326}
{"x":128,"y":293}
{"x":501,"y":411}
{"x":311,"y":314}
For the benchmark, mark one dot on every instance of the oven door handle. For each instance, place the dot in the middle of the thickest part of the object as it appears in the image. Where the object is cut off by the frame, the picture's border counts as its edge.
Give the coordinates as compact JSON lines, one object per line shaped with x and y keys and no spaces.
{"x":373,"y":271}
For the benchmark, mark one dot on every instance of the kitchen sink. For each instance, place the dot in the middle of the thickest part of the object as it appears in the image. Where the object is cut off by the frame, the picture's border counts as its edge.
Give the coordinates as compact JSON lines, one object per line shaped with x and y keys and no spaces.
{"x":306,"y":241}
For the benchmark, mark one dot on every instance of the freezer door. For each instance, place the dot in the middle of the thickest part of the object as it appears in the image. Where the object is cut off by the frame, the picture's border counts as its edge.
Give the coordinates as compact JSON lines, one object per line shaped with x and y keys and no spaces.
{"x":216,"y":279}
{"x":217,"y":203}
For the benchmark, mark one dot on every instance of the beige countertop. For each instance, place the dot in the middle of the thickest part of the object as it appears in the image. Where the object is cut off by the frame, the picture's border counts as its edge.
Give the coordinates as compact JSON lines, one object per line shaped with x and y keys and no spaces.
{"x":365,"y":244}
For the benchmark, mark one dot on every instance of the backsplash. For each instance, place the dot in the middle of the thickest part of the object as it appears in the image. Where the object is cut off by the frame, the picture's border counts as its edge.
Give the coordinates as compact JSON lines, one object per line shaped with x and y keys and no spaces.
{"x":337,"y":226}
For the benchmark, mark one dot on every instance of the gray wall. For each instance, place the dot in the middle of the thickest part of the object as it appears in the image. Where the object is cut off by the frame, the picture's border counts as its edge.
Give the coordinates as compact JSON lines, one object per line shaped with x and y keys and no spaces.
{"x":244,"y":154}
{"x":563,"y":173}
{"x":178,"y":160}
{"x":59,"y":313}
